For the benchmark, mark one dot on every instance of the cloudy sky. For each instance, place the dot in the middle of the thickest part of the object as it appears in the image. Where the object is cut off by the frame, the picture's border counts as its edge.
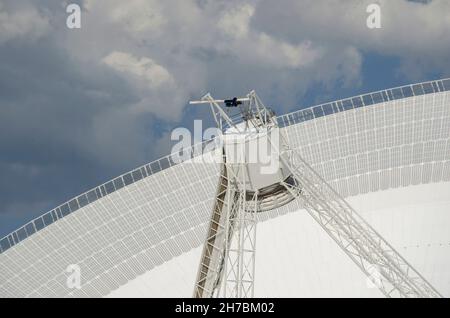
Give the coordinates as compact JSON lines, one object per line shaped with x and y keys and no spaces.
{"x":80,"y":106}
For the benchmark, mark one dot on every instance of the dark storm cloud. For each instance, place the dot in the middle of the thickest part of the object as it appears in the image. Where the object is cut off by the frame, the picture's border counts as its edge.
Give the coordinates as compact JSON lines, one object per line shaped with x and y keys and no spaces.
{"x":64,"y":126}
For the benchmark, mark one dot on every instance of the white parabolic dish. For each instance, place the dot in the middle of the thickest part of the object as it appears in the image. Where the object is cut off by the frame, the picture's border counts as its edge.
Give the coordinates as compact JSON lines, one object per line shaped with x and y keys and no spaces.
{"x":387,"y":153}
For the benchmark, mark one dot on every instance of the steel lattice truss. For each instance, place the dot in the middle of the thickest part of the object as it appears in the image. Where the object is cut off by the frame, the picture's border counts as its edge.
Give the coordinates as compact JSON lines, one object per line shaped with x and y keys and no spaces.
{"x":239,"y":266}
{"x":209,"y":272}
{"x":354,"y":235}
{"x":228,"y":260}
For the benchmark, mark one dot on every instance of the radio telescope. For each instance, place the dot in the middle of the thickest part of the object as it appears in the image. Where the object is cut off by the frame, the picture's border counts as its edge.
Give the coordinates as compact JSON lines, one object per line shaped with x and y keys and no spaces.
{"x":361,"y":181}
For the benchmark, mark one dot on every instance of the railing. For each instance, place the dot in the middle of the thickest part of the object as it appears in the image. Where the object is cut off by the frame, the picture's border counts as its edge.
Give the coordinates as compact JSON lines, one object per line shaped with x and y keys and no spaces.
{"x":166,"y":162}
{"x":93,"y":195}
{"x":364,"y":100}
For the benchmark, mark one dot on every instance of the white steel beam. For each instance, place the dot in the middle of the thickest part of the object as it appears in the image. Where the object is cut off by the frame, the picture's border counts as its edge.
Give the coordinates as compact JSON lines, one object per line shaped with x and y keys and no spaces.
{"x":366,"y":247}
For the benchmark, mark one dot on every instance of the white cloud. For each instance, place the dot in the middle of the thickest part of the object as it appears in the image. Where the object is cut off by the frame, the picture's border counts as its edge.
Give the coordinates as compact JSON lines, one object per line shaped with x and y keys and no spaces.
{"x":253,"y":46}
{"x":281,"y":54}
{"x":410,"y":30}
{"x":23,"y":23}
{"x":170,"y":51}
{"x":205,"y":44}
{"x":144,"y":68}
{"x":236,"y":21}
{"x":167,"y":52}
{"x":155,"y":86}
{"x":137,"y":17}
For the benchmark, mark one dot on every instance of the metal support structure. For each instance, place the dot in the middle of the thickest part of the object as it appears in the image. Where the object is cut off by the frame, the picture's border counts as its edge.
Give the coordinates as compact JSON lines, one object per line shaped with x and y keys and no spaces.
{"x":240,"y":250}
{"x":211,"y":264}
{"x":367,"y":249}
{"x":227,"y":266}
